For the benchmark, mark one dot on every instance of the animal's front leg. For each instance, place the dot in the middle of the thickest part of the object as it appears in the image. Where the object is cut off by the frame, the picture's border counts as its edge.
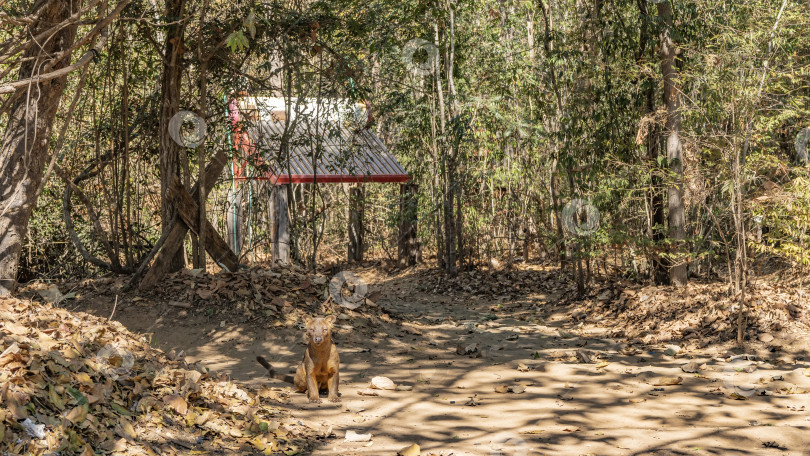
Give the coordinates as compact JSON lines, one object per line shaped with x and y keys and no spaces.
{"x":333,"y":388}
{"x":312,"y":387}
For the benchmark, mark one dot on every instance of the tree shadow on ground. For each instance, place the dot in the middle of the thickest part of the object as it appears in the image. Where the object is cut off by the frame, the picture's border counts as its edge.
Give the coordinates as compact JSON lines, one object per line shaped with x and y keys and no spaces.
{"x":571,"y":405}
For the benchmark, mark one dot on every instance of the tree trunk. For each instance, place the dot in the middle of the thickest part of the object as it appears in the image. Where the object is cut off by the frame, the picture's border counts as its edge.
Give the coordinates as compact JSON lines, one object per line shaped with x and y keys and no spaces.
{"x":450,"y":263}
{"x":656,"y":224}
{"x":556,"y":209}
{"x":199,"y":257}
{"x":170,"y":103}
{"x":463,"y":259}
{"x":407,"y":247}
{"x":660,"y":272}
{"x":446,"y":171}
{"x":677,"y":230}
{"x":453,"y":223}
{"x":24,"y":147}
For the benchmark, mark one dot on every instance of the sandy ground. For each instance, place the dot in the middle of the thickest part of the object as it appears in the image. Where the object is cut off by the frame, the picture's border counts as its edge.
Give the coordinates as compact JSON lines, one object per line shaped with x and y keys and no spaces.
{"x":584,"y":394}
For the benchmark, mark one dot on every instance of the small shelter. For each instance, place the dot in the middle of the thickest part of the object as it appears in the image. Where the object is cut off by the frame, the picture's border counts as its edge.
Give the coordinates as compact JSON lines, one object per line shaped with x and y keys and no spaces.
{"x":299,"y":141}
{"x":307,"y":141}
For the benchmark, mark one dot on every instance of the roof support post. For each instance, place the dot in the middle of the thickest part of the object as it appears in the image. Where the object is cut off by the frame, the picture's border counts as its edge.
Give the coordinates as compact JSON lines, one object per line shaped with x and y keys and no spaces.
{"x":407,"y":247}
{"x":233,"y":219}
{"x":355,"y":229}
{"x":281,"y":224}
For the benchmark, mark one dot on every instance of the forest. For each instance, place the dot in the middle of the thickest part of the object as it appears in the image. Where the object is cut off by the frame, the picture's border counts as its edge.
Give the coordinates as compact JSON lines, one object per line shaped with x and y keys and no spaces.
{"x":533,"y":226}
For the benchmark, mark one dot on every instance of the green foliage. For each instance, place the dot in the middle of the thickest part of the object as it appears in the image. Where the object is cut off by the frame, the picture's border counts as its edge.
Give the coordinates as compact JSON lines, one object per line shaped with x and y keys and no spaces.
{"x":534,"y":117}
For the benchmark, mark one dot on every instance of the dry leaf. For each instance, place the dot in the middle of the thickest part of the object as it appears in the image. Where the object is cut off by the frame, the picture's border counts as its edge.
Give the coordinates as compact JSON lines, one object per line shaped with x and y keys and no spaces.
{"x":411,"y":450}
{"x":383,"y":383}
{"x":352,"y":436}
{"x":77,"y":414}
{"x":125,"y":430}
{"x":177,"y":403}
{"x":667,"y":381}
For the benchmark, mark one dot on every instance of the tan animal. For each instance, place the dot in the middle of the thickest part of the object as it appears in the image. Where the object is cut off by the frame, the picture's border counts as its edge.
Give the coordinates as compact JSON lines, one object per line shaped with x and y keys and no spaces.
{"x":319,"y":369}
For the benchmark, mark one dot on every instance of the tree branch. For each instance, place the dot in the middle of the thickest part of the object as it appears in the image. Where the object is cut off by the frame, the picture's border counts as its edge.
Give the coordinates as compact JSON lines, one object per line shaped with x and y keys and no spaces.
{"x":84,"y":60}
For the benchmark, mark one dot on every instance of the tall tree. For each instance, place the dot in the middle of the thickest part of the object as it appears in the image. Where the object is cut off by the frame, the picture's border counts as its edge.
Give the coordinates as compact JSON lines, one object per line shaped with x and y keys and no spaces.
{"x":655,"y":196}
{"x":170,"y":89}
{"x":672,"y":132}
{"x":24,"y":148}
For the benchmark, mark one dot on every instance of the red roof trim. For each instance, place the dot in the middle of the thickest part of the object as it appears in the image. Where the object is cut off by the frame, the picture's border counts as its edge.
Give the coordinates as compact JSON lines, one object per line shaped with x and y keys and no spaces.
{"x":331,"y":179}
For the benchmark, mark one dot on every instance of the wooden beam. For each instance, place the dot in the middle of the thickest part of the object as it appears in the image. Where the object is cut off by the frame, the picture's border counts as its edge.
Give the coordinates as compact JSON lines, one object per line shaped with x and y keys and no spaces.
{"x":177,"y":229}
{"x":355,"y":229}
{"x":234,"y":235}
{"x":407,"y":247}
{"x":281,"y":224}
{"x":189,"y":212}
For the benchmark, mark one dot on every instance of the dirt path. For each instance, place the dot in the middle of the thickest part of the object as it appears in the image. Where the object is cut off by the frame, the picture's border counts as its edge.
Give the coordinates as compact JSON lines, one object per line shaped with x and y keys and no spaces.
{"x":583,"y":394}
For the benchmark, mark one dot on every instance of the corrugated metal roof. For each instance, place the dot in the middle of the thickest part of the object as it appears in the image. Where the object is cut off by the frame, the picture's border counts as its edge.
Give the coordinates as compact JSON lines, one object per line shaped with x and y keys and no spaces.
{"x":327,"y":144}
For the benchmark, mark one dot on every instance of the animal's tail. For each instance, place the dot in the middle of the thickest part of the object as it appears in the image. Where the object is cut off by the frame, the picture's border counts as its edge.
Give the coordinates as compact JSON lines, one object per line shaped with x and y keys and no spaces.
{"x":271,"y":372}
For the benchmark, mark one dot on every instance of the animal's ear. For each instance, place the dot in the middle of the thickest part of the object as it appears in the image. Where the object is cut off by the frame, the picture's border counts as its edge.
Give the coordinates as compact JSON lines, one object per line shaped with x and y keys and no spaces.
{"x":330,"y":320}
{"x":308,"y":320}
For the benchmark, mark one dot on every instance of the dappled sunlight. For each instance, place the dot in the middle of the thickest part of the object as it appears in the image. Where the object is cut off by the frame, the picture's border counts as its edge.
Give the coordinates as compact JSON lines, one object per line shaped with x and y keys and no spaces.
{"x":472,"y":378}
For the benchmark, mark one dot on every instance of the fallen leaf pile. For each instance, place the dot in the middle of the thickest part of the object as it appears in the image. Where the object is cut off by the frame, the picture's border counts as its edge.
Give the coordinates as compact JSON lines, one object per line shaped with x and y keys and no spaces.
{"x":507,"y":283}
{"x":78,"y":384}
{"x":276,"y":292}
{"x":264,"y":294}
{"x":701,"y":312}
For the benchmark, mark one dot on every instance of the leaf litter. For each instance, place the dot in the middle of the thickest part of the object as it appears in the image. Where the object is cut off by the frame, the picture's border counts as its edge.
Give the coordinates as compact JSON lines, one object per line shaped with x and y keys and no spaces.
{"x":73,"y":383}
{"x":702,"y":313}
